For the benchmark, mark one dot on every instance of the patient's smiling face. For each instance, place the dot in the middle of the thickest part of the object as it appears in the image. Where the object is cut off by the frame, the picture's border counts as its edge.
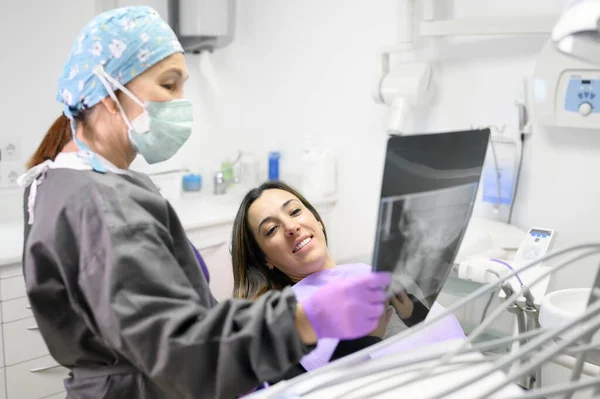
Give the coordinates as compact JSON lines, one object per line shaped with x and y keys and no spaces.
{"x":289,"y":234}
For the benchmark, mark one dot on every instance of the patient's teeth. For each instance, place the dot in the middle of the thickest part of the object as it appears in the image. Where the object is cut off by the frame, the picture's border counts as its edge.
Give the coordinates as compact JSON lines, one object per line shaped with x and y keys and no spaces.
{"x":302,"y":244}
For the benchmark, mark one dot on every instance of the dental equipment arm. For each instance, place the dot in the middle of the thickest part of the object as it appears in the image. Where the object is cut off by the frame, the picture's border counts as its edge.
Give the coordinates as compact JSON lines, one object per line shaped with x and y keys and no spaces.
{"x":489,"y":302}
{"x":360,"y":356}
{"x":503,"y":307}
{"x":559,"y":389}
{"x":415,"y":364}
{"x":509,"y":301}
{"x":532,"y":315}
{"x":534,"y":364}
{"x":529,"y":311}
{"x":580,"y":360}
{"x":591,"y":325}
{"x":406,"y":366}
{"x":529,"y":300}
{"x":520,"y":316}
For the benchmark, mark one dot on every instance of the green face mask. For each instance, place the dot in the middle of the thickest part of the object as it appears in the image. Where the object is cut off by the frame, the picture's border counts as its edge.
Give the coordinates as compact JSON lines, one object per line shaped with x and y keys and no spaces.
{"x":161,"y":130}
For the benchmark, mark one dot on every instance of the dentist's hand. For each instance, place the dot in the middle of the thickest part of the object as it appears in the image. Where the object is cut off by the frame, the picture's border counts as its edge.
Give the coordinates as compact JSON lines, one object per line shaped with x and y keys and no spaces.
{"x":349,"y":308}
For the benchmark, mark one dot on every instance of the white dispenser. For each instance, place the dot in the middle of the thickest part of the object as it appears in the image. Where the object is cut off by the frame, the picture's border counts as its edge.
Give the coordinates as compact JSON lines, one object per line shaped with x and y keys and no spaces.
{"x":319,"y":172}
{"x":249,"y":174}
{"x":202,"y":24}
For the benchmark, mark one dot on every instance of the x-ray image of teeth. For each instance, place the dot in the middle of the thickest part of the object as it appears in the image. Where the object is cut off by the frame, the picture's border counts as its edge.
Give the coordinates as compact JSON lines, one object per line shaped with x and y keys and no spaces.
{"x":427,"y":227}
{"x":428,"y":192}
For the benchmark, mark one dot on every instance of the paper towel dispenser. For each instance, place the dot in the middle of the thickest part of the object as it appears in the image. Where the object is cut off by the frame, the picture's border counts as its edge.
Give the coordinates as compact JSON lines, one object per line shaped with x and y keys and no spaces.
{"x":202,"y":24}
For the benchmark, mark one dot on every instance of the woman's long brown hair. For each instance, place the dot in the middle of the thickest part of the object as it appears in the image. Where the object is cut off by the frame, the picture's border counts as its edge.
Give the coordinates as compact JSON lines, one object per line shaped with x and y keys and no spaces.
{"x":59,"y":135}
{"x":251,"y":276}
{"x":53,"y":142}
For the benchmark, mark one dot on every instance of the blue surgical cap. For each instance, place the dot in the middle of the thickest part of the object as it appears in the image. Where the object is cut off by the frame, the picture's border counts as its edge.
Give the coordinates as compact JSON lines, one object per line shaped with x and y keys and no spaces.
{"x":125,"y":42}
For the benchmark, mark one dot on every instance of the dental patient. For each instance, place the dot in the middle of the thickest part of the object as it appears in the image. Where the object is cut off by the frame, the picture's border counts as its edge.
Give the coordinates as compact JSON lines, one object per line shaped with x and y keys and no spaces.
{"x":279,"y":240}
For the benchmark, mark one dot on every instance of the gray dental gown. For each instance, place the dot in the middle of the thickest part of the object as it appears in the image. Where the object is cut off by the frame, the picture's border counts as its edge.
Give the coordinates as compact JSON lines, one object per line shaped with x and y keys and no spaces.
{"x":120,"y":299}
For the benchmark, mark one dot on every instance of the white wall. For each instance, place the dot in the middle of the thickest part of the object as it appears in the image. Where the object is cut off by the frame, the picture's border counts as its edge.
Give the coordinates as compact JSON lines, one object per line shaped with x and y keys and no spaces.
{"x":37,"y":36}
{"x":300,"y":67}
{"x":480,"y":79}
{"x":306,"y":67}
{"x":295,"y":67}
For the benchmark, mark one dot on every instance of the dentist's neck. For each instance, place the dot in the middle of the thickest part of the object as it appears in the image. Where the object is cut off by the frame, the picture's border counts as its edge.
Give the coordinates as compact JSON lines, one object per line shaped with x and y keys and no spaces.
{"x":120,"y":155}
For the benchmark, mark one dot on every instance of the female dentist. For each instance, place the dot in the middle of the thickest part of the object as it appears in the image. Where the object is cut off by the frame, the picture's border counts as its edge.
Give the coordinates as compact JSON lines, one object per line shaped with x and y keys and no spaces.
{"x":114,"y":285}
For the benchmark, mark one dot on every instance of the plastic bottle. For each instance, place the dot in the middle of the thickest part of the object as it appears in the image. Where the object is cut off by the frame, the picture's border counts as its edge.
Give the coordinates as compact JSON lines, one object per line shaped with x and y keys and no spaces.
{"x":274,"y":158}
{"x":249,"y":170}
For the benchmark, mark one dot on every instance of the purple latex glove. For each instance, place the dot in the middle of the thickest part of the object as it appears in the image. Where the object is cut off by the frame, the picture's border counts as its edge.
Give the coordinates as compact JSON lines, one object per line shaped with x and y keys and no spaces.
{"x":349,"y":308}
{"x":201,"y":262}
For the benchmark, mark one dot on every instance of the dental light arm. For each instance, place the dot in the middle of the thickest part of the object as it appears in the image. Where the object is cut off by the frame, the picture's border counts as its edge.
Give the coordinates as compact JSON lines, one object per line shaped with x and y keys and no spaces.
{"x":401,"y":88}
{"x":576,"y":31}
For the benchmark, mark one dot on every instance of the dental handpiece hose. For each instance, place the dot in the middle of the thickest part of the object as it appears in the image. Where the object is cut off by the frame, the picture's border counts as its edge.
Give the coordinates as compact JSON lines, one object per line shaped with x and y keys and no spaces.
{"x":365,"y":353}
{"x":514,"y":297}
{"x":445,"y":359}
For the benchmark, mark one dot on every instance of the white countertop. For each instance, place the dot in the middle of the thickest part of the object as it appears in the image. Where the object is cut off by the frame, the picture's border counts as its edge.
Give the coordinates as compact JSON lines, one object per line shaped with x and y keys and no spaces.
{"x":196,"y":211}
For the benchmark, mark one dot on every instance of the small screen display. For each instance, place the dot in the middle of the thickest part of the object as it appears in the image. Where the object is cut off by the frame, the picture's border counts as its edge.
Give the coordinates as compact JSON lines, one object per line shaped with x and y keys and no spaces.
{"x":543,"y":232}
{"x":585,"y":82}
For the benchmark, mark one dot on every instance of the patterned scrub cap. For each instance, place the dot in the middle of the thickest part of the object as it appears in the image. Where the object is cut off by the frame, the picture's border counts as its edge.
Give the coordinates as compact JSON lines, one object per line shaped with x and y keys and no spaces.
{"x":125,"y":42}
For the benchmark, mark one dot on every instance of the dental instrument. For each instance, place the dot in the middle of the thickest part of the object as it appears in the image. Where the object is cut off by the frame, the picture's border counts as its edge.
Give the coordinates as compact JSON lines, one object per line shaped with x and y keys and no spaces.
{"x":592,"y":325}
{"x":359,"y":357}
{"x":498,"y":311}
{"x":481,"y":328}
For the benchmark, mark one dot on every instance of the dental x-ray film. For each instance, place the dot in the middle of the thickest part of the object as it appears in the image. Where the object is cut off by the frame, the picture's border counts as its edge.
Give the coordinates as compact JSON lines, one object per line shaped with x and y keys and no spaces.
{"x":428,"y":191}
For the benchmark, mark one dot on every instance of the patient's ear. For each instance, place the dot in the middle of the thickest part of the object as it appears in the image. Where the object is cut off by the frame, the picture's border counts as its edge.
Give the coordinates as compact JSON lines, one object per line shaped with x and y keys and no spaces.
{"x":269,"y":265}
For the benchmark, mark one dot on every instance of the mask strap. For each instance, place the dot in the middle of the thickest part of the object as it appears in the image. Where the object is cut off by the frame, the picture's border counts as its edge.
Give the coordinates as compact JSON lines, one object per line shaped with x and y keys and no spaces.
{"x":103,"y":76}
{"x":115,"y":82}
{"x":93,"y":159}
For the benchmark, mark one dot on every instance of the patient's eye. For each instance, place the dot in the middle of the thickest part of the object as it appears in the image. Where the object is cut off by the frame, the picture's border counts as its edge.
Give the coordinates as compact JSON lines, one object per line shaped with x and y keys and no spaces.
{"x":295,"y":212}
{"x":271,"y":231}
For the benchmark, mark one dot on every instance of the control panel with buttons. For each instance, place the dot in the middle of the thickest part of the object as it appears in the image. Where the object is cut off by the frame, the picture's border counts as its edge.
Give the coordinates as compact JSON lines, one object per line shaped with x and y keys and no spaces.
{"x":535,"y":245}
{"x":582,"y":96}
